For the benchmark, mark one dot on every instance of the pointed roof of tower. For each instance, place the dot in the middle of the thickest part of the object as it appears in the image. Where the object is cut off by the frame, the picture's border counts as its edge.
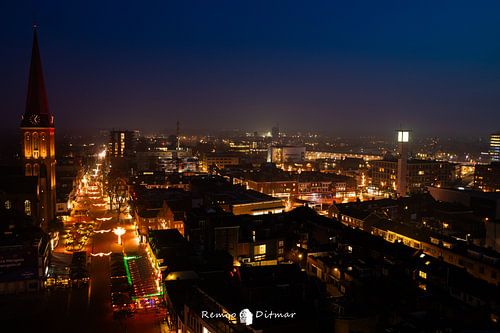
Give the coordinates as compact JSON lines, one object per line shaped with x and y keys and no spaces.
{"x":37,"y":107}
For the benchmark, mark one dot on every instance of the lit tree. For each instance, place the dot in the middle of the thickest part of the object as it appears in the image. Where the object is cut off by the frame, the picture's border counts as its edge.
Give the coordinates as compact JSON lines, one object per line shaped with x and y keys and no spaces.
{"x":118,"y":194}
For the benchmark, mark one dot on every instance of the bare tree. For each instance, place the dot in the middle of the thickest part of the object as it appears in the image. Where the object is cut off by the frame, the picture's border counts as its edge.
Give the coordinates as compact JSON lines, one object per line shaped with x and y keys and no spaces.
{"x":118,"y":194}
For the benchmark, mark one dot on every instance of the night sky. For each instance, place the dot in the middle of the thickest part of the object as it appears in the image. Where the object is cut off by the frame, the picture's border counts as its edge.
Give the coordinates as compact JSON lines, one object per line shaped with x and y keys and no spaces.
{"x":346,"y":68}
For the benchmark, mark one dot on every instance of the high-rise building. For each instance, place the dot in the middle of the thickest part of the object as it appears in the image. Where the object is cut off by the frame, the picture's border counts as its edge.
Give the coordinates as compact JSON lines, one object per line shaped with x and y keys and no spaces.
{"x":122,"y":143}
{"x":37,"y":127}
{"x":495,"y":147}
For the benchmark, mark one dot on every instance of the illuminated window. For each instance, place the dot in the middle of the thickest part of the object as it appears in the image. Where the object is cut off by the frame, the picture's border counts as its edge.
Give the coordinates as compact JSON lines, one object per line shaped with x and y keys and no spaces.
{"x":423,"y":275}
{"x":35,"y":145}
{"x":122,"y":143}
{"x":43,"y":145}
{"x":27,"y":145}
{"x":281,"y":243}
{"x":8,"y":204}
{"x":259,"y":258}
{"x":421,"y":172}
{"x":259,"y":249}
{"x":403,"y":136}
{"x":27,"y":207}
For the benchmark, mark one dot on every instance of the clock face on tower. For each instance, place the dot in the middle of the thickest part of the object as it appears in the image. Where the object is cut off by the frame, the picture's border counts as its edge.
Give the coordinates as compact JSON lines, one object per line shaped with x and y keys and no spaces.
{"x":34,"y":119}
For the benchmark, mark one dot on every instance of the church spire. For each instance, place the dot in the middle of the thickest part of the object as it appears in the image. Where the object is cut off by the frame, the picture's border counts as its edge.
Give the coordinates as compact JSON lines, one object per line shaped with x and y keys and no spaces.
{"x":37,"y":107}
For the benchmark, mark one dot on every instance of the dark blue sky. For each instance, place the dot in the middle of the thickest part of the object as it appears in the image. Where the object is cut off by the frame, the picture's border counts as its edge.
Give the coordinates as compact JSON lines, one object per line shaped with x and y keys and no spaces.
{"x":346,"y":68}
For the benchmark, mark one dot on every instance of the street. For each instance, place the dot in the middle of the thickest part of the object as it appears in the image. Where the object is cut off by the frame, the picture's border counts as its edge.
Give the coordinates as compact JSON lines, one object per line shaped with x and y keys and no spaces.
{"x":85,"y":309}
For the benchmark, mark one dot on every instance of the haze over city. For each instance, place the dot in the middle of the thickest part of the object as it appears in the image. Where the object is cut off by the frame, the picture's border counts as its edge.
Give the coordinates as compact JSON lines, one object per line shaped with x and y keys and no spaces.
{"x":340,"y":68}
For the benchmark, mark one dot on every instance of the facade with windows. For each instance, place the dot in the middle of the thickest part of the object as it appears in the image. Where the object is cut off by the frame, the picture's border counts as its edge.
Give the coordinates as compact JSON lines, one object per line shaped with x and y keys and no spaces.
{"x":20,"y":194}
{"x":261,"y":251}
{"x":495,"y":147}
{"x":122,"y":143}
{"x":487,"y":177}
{"x":219,"y":160}
{"x":479,"y":262}
{"x":419,"y":174}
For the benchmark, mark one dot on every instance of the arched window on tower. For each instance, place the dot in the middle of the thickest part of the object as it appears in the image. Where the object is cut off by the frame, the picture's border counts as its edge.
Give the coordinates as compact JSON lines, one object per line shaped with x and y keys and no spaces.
{"x":51,"y":145}
{"x":28,"y":170}
{"x":27,"y":207}
{"x":53,"y":175}
{"x":35,"y":145}
{"x":8,"y":204}
{"x":27,"y":145}
{"x":36,"y":169}
{"x":43,"y":145}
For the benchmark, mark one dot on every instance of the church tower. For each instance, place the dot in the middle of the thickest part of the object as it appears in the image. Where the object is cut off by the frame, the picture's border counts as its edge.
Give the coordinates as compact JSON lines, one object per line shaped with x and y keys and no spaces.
{"x":37,"y":128}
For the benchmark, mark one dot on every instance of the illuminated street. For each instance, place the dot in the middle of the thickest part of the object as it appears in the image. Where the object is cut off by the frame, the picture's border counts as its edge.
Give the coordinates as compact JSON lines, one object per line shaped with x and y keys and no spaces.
{"x":89,"y":308}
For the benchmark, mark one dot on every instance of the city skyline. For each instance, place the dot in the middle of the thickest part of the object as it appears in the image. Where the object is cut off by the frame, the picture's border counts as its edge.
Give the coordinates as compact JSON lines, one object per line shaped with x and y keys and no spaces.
{"x":316,"y":221}
{"x":300,"y":66}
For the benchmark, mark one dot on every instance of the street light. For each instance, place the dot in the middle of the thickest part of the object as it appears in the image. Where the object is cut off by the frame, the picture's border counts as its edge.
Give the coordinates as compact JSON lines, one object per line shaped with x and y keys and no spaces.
{"x":100,"y":254}
{"x":119,"y":231}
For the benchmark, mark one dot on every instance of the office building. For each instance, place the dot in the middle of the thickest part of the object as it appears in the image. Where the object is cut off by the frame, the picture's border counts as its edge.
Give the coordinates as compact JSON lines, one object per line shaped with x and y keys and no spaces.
{"x":122,"y":143}
{"x":286,"y":154}
{"x":495,"y":147}
{"x":487,"y":177}
{"x":219,"y":160}
{"x":419,"y":175}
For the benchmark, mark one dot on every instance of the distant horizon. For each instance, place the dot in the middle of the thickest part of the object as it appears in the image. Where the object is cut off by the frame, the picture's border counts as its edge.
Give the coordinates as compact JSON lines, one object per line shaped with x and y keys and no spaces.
{"x":90,"y":132}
